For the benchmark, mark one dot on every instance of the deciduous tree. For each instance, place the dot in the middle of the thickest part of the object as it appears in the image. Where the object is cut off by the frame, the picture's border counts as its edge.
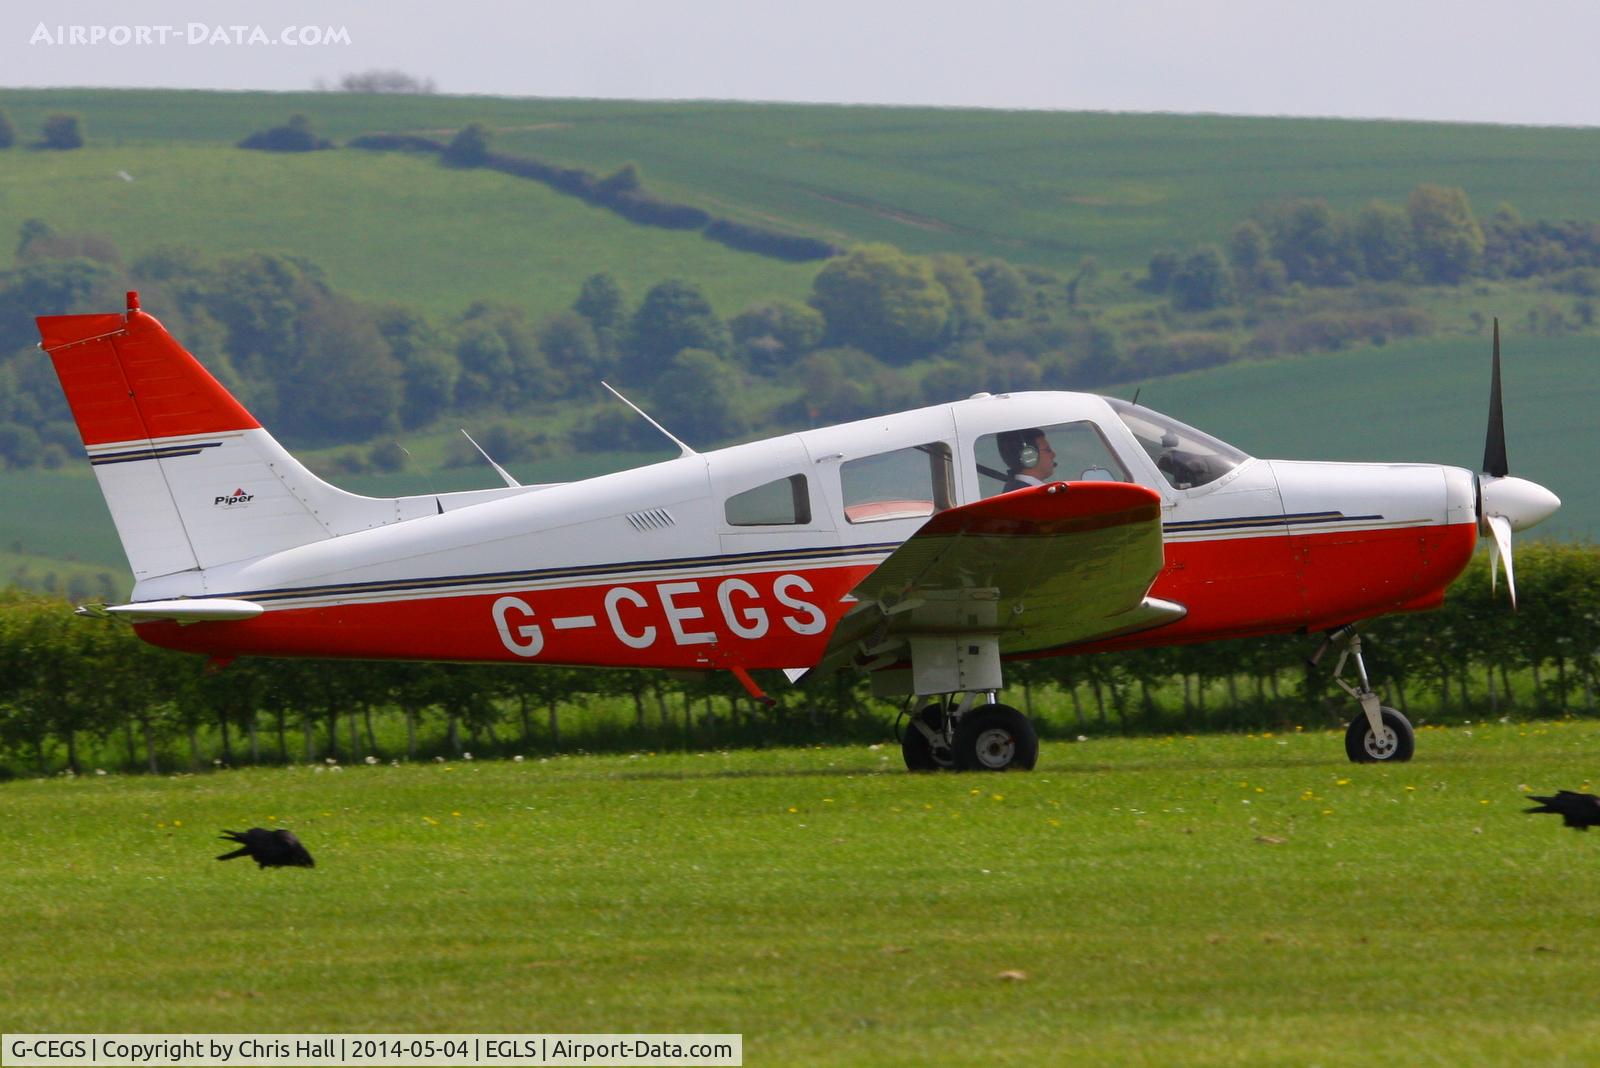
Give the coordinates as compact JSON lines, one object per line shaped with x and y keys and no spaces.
{"x":883,"y":301}
{"x":1448,"y":239}
{"x":675,"y":315}
{"x":698,"y":397}
{"x":469,"y":147}
{"x":62,"y":131}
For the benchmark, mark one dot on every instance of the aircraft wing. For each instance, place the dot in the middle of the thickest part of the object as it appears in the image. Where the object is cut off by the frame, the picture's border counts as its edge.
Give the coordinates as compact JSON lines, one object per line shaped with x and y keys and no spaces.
{"x":1035,"y":569}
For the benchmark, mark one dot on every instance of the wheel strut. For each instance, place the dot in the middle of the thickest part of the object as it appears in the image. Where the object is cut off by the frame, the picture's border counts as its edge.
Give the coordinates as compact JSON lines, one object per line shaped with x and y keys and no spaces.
{"x":1378,"y":734}
{"x":1350,"y":639}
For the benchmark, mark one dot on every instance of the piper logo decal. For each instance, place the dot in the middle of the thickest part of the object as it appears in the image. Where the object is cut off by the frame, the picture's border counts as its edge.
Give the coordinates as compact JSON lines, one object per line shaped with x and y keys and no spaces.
{"x":234,"y":499}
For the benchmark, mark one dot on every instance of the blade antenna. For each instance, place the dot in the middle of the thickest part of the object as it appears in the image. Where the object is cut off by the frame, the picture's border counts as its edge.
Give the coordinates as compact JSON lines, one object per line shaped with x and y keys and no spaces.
{"x":1494,"y":446}
{"x":683,"y":450}
{"x":505,"y":476}
{"x":426,"y":476}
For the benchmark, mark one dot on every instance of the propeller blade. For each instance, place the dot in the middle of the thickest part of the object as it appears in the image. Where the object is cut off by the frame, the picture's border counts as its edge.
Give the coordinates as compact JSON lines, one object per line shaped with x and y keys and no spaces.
{"x":1500,"y":527}
{"x":1494,"y":445}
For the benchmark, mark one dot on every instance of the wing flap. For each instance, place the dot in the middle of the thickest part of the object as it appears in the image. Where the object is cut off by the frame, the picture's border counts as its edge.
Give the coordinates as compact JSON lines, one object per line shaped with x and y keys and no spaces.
{"x":1036,"y":569}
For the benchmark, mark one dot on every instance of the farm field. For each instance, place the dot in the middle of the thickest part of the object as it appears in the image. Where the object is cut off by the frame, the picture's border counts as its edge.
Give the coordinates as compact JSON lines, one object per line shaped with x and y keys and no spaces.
{"x":1041,"y":188}
{"x":1415,"y":402}
{"x":387,"y":228}
{"x":1197,"y":901}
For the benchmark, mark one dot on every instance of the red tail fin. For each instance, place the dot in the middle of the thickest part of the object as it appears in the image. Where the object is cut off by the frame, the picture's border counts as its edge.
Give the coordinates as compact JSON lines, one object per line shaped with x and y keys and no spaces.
{"x":126,"y":379}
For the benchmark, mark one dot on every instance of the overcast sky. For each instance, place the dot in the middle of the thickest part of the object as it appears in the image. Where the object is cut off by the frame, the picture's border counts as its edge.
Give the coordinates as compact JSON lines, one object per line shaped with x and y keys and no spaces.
{"x":1531,"y":62}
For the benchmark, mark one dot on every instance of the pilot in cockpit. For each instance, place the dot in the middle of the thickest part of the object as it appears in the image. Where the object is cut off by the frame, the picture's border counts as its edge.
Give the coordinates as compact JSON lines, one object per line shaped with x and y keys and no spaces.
{"x":1183,"y":469}
{"x":1029,"y":459}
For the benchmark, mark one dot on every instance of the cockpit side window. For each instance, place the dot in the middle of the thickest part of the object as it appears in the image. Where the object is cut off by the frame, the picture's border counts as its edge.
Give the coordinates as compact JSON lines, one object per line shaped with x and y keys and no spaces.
{"x":903,"y":484}
{"x":1030,"y":456}
{"x":781,"y":503}
{"x":1187,"y":458}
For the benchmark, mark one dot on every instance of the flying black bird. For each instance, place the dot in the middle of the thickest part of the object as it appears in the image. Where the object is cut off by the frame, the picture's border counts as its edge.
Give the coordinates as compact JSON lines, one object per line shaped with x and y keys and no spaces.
{"x":269,"y":849}
{"x":1578,"y":811}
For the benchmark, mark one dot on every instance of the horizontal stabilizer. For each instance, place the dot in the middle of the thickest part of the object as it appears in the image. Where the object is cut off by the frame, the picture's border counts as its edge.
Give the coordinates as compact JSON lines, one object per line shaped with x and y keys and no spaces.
{"x":182,"y":610}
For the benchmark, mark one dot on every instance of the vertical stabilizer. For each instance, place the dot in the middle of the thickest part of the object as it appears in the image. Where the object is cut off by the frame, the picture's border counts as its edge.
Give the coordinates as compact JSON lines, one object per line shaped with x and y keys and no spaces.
{"x":190,"y":477}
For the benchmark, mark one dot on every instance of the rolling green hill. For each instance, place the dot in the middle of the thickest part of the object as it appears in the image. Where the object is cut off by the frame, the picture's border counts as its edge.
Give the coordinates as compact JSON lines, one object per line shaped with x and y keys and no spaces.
{"x":1044,"y":188}
{"x":1425,"y":401}
{"x":385,"y":227}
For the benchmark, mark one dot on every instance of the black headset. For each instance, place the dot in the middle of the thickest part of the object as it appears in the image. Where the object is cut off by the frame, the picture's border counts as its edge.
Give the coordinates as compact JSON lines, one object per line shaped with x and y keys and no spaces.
{"x":1018,"y":449}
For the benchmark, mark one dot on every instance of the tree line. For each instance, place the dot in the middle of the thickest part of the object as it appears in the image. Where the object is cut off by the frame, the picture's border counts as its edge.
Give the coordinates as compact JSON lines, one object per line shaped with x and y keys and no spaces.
{"x":880,"y":330}
{"x":71,"y":687}
{"x":1435,"y":238}
{"x":60,"y":131}
{"x":320,"y":368}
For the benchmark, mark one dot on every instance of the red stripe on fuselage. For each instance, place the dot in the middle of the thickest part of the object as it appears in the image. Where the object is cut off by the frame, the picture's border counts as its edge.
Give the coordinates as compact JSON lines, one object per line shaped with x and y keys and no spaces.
{"x":770,"y":619}
{"x":1246,"y":587}
{"x":1236,"y":587}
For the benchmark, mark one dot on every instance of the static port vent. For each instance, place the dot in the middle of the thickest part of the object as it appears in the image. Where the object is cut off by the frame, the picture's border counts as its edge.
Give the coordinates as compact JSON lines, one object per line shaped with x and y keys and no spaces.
{"x":654,"y":519}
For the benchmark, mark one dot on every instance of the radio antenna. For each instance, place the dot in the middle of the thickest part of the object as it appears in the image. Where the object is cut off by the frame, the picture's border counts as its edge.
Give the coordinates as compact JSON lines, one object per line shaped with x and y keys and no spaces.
{"x":505,"y":476}
{"x":683,"y":450}
{"x":412,"y":460}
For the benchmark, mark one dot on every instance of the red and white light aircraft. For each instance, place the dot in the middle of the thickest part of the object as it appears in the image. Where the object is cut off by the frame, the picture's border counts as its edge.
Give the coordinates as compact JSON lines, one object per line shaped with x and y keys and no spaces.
{"x":924,"y":548}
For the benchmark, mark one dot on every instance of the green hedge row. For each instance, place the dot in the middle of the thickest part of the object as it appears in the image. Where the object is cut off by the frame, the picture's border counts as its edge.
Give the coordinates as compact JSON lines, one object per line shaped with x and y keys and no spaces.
{"x":76,"y":692}
{"x":623,"y":194}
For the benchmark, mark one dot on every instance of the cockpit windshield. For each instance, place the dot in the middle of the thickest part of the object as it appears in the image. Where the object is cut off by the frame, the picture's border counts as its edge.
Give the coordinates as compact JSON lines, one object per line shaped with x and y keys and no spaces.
{"x":1186,"y":457}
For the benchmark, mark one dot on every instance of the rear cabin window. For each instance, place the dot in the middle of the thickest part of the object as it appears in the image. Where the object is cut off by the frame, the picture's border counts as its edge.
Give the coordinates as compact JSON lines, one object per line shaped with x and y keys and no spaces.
{"x":903,"y":484}
{"x":1060,"y":452}
{"x":781,"y":503}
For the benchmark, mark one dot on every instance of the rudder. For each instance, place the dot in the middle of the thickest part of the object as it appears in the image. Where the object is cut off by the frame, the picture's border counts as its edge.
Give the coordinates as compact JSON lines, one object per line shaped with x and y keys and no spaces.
{"x":190,"y":477}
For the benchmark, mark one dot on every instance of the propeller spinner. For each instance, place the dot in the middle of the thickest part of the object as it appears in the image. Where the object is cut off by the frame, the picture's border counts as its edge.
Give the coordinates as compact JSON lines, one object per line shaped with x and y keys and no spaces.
{"x":1505,"y":503}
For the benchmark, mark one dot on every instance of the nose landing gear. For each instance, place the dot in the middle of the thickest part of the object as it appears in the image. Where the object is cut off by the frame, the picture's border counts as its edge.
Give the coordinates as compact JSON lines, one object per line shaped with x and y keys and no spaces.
{"x":1378,"y":734}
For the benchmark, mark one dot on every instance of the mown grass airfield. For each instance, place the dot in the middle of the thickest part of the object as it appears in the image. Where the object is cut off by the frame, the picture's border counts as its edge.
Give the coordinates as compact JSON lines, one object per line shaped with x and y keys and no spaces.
{"x":1177,"y":900}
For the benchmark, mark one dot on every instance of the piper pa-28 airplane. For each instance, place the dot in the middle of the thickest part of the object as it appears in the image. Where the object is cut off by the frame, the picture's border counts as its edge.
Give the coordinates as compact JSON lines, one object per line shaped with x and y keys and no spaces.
{"x":924,"y":548}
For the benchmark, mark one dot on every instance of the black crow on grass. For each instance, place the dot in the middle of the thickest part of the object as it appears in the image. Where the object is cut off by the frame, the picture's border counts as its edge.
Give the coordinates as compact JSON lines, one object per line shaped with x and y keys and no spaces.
{"x":269,"y":849}
{"x":1578,"y":811}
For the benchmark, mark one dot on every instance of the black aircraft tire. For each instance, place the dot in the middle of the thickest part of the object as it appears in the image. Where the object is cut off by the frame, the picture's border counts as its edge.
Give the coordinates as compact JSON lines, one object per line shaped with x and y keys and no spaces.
{"x":919,"y":753}
{"x":1397,"y":746}
{"x":996,"y":738}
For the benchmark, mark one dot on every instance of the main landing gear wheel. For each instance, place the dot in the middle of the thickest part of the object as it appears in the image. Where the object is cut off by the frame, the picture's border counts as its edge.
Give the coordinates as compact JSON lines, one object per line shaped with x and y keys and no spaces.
{"x":1394,"y":745}
{"x":995,"y":738}
{"x":921,"y":752}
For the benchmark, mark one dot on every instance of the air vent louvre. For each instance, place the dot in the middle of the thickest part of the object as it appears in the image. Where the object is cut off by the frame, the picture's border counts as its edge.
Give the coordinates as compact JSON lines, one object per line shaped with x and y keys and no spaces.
{"x":652,"y":519}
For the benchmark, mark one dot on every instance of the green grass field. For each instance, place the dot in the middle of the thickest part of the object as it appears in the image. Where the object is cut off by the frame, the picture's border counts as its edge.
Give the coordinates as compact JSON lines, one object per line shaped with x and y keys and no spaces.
{"x":386,"y":227}
{"x":1214,"y":901}
{"x":1044,"y":188}
{"x":1419,"y":401}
